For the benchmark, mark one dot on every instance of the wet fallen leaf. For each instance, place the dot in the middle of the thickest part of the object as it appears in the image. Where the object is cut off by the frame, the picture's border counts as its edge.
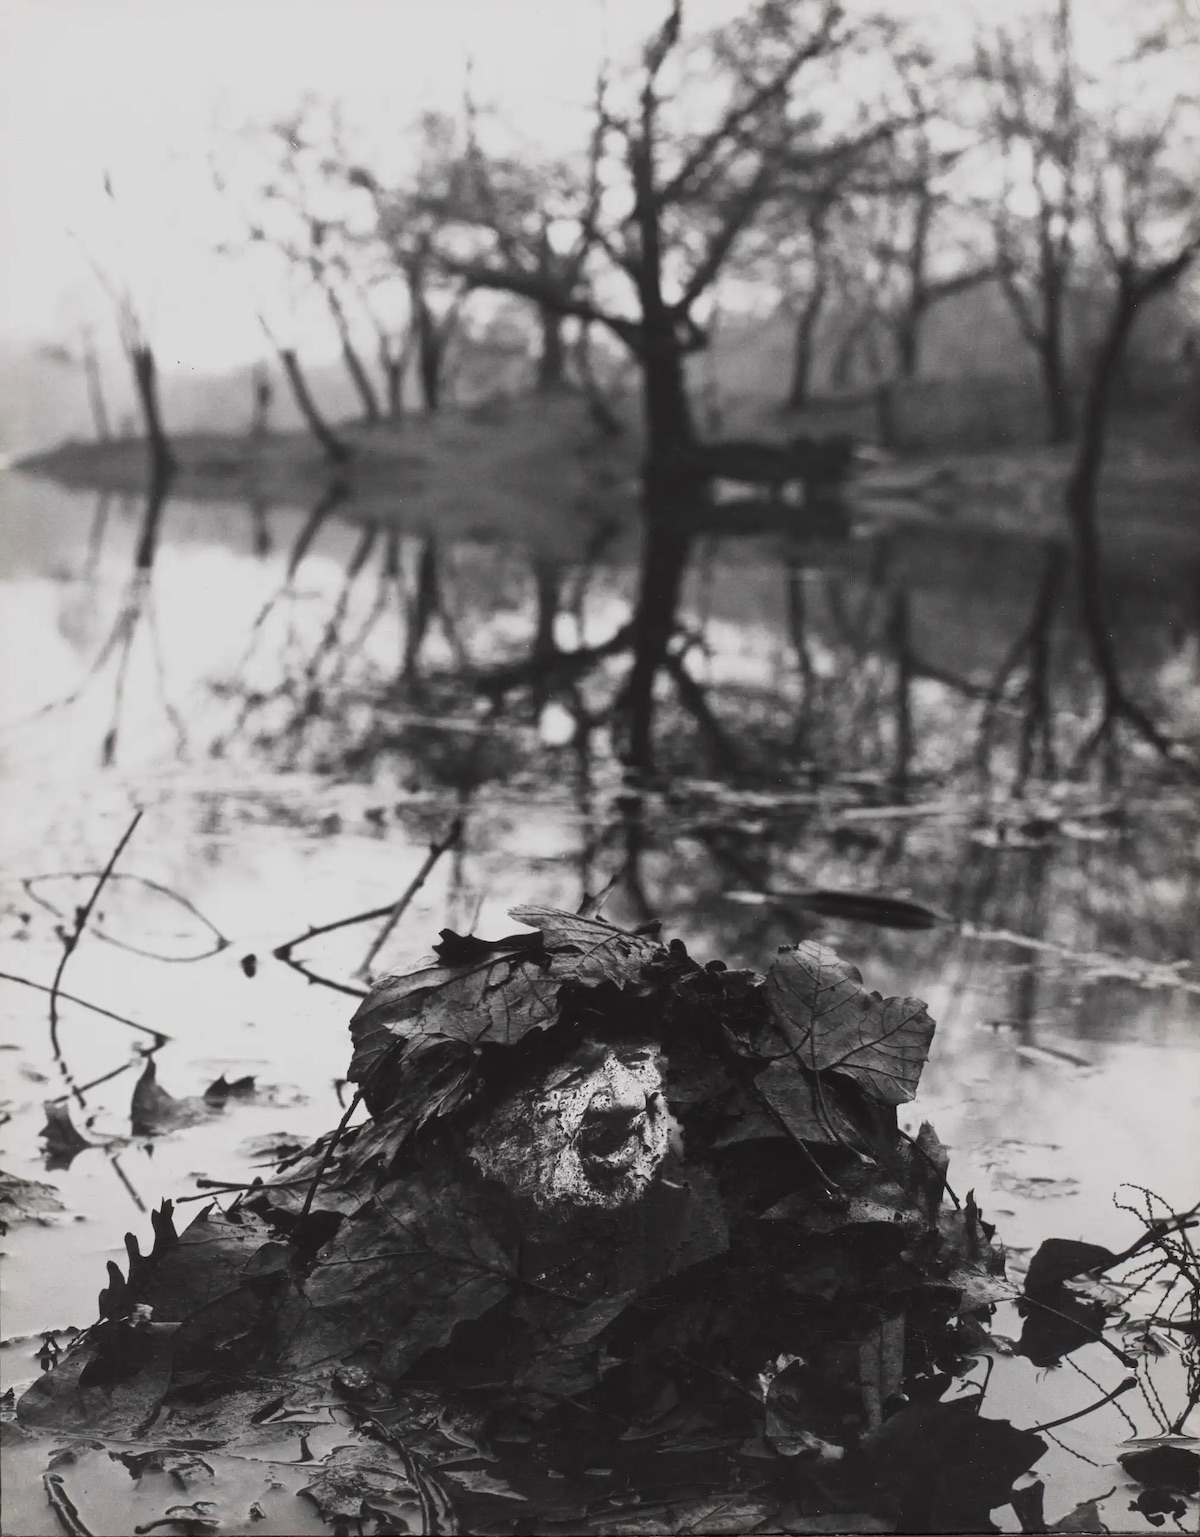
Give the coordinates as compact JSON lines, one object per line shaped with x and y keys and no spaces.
{"x":1057,"y":1324}
{"x":153,"y":1110}
{"x":62,"y":1142}
{"x":866,"y":907}
{"x":943,"y":1467}
{"x":1155,"y":1504}
{"x":832,"y":1024}
{"x":25,"y":1200}
{"x":1164,"y":1467}
{"x":1060,"y":1259}
{"x":222,"y":1089}
{"x":444,"y":1013}
{"x":1084,"y":1518}
{"x":186,"y":1468}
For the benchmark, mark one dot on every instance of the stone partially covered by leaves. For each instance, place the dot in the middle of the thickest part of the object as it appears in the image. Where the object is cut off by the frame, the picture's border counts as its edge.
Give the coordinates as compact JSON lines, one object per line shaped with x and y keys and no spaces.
{"x":617,"y":1224}
{"x":415,"y":1035}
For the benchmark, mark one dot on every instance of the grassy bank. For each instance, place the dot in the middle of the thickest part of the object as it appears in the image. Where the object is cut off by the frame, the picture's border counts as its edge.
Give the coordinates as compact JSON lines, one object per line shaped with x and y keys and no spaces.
{"x":536,"y":470}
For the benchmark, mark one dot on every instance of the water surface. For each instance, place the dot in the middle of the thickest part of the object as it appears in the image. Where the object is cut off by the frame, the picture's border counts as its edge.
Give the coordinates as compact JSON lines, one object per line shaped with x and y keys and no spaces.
{"x":298,"y":731}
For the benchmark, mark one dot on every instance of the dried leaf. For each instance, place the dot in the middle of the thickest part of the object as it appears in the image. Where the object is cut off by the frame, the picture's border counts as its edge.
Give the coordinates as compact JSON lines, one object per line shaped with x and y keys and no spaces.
{"x":832,"y":1024}
{"x":25,"y":1200}
{"x":1164,"y":1467}
{"x":61,"y":1139}
{"x":450,"y":1010}
{"x":153,"y":1110}
{"x":866,"y":907}
{"x":945,"y":1467}
{"x":809,"y":1114}
{"x":1059,"y":1259}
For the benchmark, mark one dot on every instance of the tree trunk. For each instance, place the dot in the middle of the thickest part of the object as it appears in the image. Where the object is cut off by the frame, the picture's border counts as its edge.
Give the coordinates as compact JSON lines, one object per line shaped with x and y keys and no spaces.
{"x":95,"y":390}
{"x":335,"y":450}
{"x":551,"y":368}
{"x":263,"y":394}
{"x":803,"y":346}
{"x":1060,"y":419}
{"x":908,"y":341}
{"x":429,"y":356}
{"x":362,"y":383}
{"x":355,"y":367}
{"x":673,"y":494}
{"x":393,"y":373}
{"x":885,"y":417}
{"x":145,"y":377}
{"x":548,"y":590}
{"x":665,"y":551}
{"x":1082,"y":489}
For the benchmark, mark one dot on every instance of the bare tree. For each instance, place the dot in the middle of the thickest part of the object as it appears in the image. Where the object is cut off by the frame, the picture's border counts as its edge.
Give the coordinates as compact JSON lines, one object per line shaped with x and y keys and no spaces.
{"x":659,"y":211}
{"x":1144,"y":215}
{"x":300,"y":216}
{"x":1036,"y":119}
{"x":135,"y":342}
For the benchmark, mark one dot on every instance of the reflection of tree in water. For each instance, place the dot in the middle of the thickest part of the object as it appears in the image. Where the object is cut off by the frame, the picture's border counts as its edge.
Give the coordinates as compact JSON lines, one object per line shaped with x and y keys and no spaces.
{"x":136,"y":613}
{"x":825,"y":758}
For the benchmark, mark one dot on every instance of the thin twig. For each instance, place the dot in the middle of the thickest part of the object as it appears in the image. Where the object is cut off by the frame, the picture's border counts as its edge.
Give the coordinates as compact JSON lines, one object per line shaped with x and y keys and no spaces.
{"x":1122,"y":1387}
{"x":318,"y":980}
{"x":436,"y":850}
{"x":283,"y":952}
{"x":331,"y":1145}
{"x":81,"y":918}
{"x":160,"y":1036}
{"x":63,"y":1506}
{"x":30,"y":883}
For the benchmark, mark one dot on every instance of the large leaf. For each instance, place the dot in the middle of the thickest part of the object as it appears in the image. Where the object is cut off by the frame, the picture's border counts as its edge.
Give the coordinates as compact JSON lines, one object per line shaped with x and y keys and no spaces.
{"x":943,"y":1467}
{"x":496,"y":998}
{"x":832,"y":1024}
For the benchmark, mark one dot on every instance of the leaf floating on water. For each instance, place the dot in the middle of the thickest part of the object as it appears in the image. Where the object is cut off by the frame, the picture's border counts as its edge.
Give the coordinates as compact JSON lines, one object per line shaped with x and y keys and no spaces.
{"x":1052,"y":1331}
{"x":1164,"y":1467}
{"x":222,"y":1089}
{"x":186,"y":1468}
{"x":62,"y":1142}
{"x":25,"y":1200}
{"x":945,"y":1467}
{"x":866,"y":907}
{"x":832,"y":1024}
{"x":1084,"y":1518}
{"x":1060,"y":1259}
{"x":153,"y":1110}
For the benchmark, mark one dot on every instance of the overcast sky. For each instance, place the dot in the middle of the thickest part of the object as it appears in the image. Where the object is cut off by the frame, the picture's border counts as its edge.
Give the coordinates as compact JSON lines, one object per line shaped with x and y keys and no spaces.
{"x":144,"y":90}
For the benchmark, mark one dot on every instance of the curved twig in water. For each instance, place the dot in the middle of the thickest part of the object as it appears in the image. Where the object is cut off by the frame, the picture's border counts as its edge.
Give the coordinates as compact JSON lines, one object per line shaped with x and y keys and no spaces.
{"x":81,"y":918}
{"x":160,"y":1036}
{"x":30,"y":882}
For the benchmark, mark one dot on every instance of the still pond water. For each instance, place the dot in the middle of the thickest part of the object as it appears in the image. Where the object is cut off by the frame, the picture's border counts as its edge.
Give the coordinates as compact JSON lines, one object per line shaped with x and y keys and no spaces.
{"x":299,"y":730}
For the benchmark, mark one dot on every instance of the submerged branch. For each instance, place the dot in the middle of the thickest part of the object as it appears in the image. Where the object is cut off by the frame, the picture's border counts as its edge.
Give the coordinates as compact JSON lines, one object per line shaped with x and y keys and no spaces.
{"x":81,"y":919}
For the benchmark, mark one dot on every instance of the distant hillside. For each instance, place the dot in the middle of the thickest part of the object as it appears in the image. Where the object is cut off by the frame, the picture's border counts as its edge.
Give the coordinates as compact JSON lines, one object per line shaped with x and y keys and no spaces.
{"x":43,"y":401}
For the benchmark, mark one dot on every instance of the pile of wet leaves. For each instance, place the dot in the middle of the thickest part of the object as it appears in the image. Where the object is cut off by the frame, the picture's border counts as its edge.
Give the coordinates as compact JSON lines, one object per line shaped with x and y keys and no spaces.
{"x":625,"y":1244}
